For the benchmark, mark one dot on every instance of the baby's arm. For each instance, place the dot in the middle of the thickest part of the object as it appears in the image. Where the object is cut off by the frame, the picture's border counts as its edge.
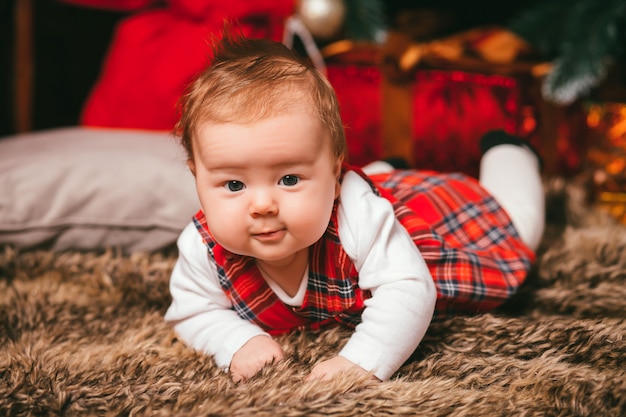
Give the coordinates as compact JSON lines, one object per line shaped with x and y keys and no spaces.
{"x":203,"y":317}
{"x":394,"y":322}
{"x":399,"y":312}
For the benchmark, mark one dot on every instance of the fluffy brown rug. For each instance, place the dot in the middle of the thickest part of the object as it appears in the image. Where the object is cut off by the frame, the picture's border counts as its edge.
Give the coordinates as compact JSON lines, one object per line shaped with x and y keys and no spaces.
{"x":82,"y":334}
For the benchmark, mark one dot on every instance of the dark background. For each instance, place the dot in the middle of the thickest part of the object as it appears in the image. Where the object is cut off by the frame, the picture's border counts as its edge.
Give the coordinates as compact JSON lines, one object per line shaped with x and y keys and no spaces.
{"x":70,"y":43}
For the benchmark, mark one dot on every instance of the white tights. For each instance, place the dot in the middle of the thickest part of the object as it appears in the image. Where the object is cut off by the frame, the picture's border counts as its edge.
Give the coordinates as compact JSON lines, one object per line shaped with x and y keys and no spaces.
{"x":511,"y":174}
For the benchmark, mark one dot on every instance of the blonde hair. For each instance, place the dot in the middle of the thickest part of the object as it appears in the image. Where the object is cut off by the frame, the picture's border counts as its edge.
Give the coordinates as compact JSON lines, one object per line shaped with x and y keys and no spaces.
{"x":252,"y":79}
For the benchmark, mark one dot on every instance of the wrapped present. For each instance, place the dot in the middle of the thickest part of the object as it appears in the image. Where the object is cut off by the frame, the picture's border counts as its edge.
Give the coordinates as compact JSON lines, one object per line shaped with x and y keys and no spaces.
{"x":432,"y":118}
{"x":431,"y":102}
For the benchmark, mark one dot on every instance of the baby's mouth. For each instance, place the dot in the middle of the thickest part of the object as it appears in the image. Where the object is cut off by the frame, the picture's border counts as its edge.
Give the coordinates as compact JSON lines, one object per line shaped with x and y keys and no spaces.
{"x":270,"y":236}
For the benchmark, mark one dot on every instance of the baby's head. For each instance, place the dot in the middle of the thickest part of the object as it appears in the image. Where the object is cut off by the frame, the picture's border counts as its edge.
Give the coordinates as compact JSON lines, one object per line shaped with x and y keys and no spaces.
{"x":250,"y":80}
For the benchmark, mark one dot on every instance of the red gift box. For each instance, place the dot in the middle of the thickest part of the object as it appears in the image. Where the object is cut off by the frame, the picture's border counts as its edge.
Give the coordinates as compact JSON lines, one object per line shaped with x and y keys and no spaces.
{"x":436,"y":120}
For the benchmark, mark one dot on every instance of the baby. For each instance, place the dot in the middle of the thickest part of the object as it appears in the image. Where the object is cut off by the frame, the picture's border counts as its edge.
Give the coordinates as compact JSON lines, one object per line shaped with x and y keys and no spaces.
{"x":290,"y":237}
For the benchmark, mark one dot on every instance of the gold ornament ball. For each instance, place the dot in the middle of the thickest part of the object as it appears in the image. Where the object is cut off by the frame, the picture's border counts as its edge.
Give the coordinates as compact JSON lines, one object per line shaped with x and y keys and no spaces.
{"x":323,"y":18}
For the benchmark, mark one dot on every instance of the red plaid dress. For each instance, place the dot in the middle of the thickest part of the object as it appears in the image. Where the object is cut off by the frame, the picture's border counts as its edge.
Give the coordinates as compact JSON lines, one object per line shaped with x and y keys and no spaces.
{"x":471,"y":248}
{"x":332,"y":296}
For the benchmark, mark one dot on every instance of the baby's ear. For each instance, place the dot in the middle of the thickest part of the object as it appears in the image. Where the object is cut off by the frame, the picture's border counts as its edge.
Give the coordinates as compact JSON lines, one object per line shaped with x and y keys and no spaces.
{"x":192,"y":166}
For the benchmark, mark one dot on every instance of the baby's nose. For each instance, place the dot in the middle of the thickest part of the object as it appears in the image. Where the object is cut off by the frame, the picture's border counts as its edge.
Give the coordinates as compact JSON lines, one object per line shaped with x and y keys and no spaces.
{"x":263,"y":203}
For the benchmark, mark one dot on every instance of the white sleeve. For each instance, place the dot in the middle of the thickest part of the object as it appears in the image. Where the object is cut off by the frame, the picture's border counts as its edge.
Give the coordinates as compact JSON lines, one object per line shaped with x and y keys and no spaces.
{"x":399,"y":312}
{"x":200,"y":312}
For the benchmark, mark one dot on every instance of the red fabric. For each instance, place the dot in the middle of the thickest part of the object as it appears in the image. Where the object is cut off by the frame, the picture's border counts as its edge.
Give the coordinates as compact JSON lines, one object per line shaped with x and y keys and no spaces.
{"x":332,"y":295}
{"x":472,"y":250}
{"x":156,"y":53}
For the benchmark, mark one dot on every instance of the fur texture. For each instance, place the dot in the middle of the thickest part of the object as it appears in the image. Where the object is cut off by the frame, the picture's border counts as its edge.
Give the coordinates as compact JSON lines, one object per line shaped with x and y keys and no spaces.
{"x":83,"y":334}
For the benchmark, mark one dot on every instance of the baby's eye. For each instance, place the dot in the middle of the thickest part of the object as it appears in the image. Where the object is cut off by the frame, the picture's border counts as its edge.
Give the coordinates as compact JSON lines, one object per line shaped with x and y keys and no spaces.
{"x":234,"y":185}
{"x":289,"y":180}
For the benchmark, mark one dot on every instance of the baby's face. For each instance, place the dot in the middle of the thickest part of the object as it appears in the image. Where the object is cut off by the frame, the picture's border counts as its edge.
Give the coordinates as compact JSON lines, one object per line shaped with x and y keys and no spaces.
{"x":267,"y":188}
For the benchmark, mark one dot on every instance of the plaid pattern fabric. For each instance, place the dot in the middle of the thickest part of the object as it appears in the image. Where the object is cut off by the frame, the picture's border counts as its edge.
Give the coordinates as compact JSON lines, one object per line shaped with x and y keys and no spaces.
{"x":332,"y":294}
{"x":472,"y":250}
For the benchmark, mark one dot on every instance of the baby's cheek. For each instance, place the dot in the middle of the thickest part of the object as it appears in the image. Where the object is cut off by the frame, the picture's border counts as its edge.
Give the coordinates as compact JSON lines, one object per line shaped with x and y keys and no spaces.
{"x":313,"y":219}
{"x":225,"y":224}
{"x":231,"y":239}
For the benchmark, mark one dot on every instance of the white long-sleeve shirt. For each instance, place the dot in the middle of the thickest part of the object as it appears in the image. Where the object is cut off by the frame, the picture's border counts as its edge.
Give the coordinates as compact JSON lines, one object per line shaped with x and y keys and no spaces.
{"x":395,"y":318}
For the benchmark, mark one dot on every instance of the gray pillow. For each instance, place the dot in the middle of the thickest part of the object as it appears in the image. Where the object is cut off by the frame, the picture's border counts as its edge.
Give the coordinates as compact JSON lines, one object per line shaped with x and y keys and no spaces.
{"x":82,"y":188}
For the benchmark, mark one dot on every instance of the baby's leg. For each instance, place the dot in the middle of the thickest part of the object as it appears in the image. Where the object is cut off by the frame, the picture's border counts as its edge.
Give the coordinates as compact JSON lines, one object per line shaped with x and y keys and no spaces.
{"x":510,"y":171}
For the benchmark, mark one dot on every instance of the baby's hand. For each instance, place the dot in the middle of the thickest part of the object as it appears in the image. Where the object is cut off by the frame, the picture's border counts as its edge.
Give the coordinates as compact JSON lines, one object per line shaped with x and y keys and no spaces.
{"x":253,"y":355}
{"x":328,"y":369}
